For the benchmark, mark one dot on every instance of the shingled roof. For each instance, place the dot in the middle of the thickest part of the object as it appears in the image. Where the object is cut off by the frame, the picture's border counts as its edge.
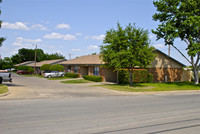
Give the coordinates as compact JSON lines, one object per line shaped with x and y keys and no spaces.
{"x":84,"y":60}
{"x":26,"y":63}
{"x":51,"y":62}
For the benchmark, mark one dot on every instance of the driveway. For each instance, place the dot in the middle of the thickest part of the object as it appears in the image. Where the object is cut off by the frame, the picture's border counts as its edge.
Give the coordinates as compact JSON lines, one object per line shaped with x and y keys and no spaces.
{"x":34,"y":87}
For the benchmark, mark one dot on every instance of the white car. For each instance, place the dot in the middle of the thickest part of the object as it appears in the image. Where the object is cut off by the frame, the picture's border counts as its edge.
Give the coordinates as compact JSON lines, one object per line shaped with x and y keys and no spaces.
{"x":54,"y":74}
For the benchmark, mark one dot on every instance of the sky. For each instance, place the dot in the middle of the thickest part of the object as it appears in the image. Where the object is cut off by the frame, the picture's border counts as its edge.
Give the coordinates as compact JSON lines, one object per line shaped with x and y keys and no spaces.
{"x":74,"y":27}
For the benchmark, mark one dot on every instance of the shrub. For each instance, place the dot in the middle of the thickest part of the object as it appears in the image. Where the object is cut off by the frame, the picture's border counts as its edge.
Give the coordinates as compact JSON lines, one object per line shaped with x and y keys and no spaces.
{"x":93,"y":78}
{"x":25,"y":68}
{"x":150,"y":78}
{"x":31,"y":70}
{"x":45,"y":67}
{"x":139,"y":76}
{"x":56,"y":67}
{"x":123,"y":77}
{"x":71,"y":75}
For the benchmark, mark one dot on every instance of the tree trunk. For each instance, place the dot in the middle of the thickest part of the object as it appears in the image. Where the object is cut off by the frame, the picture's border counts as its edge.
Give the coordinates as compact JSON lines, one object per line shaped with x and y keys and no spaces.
{"x":196,"y":76}
{"x":131,"y":76}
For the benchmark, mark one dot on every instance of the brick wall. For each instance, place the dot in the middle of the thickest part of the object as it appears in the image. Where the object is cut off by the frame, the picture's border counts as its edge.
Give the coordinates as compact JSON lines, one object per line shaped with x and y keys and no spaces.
{"x":173,"y":74}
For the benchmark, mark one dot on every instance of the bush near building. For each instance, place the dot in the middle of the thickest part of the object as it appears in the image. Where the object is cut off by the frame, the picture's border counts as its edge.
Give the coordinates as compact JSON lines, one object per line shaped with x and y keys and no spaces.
{"x":93,"y":78}
{"x":139,"y":76}
{"x":71,"y":75}
{"x":56,"y":67}
{"x":31,"y":70}
{"x":24,"y":68}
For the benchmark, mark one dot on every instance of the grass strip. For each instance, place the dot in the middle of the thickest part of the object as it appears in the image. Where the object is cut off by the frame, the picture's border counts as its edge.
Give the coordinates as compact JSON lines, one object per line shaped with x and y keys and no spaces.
{"x":76,"y":81}
{"x":150,"y":87}
{"x":3,"y":89}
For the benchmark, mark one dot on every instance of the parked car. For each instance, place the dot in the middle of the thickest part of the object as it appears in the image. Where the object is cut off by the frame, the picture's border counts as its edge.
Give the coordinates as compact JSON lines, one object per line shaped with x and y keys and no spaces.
{"x":5,"y":76}
{"x":22,"y":72}
{"x":10,"y":69}
{"x":54,"y":74}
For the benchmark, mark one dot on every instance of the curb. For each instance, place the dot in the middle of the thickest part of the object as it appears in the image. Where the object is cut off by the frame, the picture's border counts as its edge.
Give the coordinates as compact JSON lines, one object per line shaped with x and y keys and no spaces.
{"x":5,"y":94}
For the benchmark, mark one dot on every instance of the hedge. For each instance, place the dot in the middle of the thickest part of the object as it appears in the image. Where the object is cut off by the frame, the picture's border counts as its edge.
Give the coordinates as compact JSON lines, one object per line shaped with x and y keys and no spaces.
{"x":24,"y":68}
{"x":31,"y":70}
{"x":71,"y":75}
{"x":139,"y":76}
{"x":93,"y":78}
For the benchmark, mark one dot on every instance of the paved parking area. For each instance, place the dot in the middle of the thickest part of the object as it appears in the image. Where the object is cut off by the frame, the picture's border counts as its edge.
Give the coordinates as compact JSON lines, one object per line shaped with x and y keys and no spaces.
{"x":33,"y":87}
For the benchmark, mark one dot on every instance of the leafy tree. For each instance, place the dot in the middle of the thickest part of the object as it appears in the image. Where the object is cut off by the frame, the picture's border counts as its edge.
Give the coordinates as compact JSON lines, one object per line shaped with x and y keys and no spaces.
{"x":1,"y":38}
{"x":53,"y":56}
{"x":16,"y":59}
{"x":180,"y":19}
{"x":45,"y":67}
{"x":6,"y":63}
{"x":56,"y":67}
{"x":29,"y":54}
{"x":127,"y":48}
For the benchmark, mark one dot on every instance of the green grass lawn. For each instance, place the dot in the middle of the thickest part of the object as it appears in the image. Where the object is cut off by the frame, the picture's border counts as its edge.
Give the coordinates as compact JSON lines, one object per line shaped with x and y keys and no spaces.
{"x":148,"y":87}
{"x":3,"y":89}
{"x":76,"y":81}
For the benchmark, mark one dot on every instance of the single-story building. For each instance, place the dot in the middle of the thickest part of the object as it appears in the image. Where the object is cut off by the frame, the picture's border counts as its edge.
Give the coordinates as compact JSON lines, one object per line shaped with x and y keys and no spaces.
{"x":89,"y":65}
{"x":39,"y":64}
{"x":163,"y":68}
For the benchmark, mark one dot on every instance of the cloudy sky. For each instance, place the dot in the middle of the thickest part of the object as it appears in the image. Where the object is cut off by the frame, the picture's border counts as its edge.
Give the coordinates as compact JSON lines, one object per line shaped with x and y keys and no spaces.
{"x":75,"y":27}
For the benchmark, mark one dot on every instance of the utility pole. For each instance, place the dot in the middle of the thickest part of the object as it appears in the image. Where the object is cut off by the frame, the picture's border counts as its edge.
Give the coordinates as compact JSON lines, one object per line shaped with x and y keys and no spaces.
{"x":70,"y":55}
{"x":169,"y":50}
{"x":35,"y":59}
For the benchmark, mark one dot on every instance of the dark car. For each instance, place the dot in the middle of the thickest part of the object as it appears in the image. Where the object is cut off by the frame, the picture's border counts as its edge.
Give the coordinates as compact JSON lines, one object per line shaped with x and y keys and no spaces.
{"x":22,"y":72}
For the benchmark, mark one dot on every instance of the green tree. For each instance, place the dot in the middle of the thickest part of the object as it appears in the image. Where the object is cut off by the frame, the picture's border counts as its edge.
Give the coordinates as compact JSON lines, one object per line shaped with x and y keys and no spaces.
{"x":16,"y":59}
{"x":180,"y":19}
{"x":1,"y":38}
{"x":45,"y":67}
{"x":56,"y":67}
{"x":6,"y":63}
{"x":54,"y":56}
{"x":29,"y":54}
{"x":127,"y":48}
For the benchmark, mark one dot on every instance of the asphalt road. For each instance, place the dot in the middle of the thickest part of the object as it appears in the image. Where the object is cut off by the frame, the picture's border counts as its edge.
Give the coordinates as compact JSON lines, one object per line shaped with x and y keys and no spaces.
{"x":107,"y":113}
{"x":39,"y":88}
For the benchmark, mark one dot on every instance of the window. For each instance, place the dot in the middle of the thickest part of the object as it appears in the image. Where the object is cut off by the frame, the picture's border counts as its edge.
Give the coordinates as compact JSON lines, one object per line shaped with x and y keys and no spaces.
{"x":96,"y":71}
{"x":76,"y":69}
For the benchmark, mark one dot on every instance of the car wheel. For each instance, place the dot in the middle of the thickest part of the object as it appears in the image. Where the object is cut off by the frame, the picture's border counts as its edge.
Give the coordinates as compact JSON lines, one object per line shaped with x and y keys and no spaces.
{"x":20,"y":73}
{"x":49,"y":76}
{"x":62,"y":75}
{"x":1,"y":80}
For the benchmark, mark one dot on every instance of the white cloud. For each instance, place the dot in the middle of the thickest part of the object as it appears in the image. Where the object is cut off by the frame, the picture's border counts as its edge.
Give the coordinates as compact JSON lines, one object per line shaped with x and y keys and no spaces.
{"x":16,"y":26}
{"x":159,"y":45}
{"x":63,"y":26}
{"x":39,"y":27}
{"x":76,"y":50}
{"x":92,"y":47}
{"x":20,"y":39}
{"x":151,"y":36}
{"x":60,"y":36}
{"x":22,"y":42}
{"x":99,"y":37}
{"x":78,"y":34}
